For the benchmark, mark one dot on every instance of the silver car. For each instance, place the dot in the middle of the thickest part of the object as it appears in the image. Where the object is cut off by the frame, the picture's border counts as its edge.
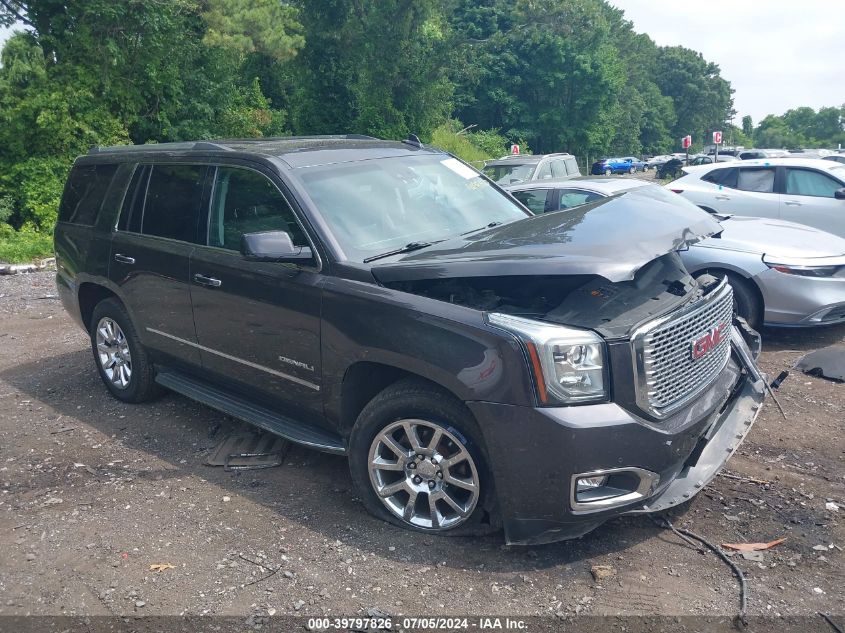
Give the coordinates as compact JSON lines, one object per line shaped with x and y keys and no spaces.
{"x":782,"y":273}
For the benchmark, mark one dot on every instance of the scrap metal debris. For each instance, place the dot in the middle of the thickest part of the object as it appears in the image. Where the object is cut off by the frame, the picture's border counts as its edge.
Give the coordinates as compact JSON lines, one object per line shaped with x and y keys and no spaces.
{"x":249,"y":451}
{"x":752,"y":547}
{"x":828,"y":362}
{"x":160,"y":567}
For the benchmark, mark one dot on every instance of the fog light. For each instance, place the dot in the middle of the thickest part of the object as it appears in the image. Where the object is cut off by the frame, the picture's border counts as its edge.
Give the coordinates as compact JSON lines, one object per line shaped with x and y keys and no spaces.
{"x":589,"y":483}
{"x":606,"y":489}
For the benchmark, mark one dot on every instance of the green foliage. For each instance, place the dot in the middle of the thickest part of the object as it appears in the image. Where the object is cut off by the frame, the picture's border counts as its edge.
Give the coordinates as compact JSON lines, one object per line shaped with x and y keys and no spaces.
{"x":24,"y":246}
{"x":472,"y":147}
{"x":802,"y":128}
{"x":268,"y":27}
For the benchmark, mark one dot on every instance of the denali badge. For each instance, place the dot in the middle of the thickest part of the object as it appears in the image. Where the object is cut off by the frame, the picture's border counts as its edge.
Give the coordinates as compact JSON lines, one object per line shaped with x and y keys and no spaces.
{"x":707,"y":343}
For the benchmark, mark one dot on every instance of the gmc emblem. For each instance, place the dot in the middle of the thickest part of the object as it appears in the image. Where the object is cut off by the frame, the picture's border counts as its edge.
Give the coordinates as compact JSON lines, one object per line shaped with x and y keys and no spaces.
{"x":707,"y":343}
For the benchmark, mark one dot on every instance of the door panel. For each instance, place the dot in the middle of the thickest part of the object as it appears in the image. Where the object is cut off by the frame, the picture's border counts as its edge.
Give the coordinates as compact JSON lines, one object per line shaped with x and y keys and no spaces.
{"x":808,"y":199}
{"x":152,"y":274}
{"x":258,"y":323}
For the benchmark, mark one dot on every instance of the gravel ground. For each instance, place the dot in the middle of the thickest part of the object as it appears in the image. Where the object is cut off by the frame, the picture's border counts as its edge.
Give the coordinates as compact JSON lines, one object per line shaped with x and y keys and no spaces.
{"x":93,"y":492}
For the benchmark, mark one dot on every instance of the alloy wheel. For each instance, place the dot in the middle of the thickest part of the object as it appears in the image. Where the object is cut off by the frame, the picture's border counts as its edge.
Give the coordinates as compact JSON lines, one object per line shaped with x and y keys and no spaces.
{"x":423,"y":474}
{"x":113,"y":353}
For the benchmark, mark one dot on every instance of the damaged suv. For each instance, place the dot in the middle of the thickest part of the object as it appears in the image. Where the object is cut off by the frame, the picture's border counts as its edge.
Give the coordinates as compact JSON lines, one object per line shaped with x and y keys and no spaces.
{"x":480,"y":366}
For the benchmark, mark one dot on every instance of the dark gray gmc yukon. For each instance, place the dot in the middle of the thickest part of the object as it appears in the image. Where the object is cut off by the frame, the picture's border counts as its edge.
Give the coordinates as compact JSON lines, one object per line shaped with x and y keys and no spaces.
{"x":481,"y":367}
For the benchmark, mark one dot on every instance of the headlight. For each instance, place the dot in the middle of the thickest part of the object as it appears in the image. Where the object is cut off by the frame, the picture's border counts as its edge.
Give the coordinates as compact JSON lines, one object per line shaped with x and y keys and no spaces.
{"x":568,"y":364}
{"x":805,"y":267}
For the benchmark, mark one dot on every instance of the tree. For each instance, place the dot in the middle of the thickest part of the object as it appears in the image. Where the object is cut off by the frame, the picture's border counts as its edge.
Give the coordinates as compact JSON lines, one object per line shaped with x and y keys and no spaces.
{"x":747,"y":126}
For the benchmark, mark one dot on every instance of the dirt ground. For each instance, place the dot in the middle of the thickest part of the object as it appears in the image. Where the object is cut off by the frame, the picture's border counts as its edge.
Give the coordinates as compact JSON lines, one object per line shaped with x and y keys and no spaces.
{"x":93,"y":492}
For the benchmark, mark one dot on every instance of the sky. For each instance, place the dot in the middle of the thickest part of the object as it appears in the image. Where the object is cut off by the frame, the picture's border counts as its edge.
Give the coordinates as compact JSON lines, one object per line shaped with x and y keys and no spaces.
{"x":777,"y":54}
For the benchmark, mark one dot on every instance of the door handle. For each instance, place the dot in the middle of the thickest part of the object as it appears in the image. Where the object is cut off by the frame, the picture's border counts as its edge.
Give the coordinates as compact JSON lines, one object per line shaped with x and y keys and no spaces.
{"x":210,"y":282}
{"x":723,"y":197}
{"x":792,"y":203}
{"x":124,"y":259}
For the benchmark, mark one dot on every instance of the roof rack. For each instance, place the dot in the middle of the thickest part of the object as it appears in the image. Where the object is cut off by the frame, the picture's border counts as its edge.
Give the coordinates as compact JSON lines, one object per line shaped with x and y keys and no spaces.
{"x":161,"y":147}
{"x":222,"y":145}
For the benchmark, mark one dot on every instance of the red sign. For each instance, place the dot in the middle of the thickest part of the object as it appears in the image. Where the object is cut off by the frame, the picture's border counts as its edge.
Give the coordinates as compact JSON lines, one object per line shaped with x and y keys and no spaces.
{"x":717,"y":137}
{"x":514,"y":149}
{"x":686,"y":141}
{"x":707,"y":343}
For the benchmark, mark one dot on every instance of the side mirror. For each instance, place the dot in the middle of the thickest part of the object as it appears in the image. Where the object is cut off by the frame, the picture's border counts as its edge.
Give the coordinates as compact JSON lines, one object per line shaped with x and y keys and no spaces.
{"x":273,"y":246}
{"x":839,"y":194}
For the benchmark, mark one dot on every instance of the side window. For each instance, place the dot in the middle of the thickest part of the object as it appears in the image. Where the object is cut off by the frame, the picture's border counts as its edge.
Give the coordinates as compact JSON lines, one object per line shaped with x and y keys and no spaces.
{"x":558,"y":168}
{"x":133,"y":201}
{"x":545,"y":171}
{"x":244,"y":201}
{"x":804,"y":182}
{"x":86,"y":187}
{"x":173,"y":199}
{"x":724,"y":177}
{"x":572,"y":167}
{"x":759,"y":180}
{"x":570,"y":198}
{"x":534,"y":199}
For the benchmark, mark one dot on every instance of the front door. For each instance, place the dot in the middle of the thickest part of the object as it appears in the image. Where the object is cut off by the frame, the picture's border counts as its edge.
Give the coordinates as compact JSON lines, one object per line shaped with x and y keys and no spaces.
{"x":808,"y":198}
{"x":258,"y":323}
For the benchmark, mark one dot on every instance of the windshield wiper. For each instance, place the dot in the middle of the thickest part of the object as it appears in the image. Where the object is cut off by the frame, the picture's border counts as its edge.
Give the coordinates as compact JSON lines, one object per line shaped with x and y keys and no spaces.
{"x":412,"y":246}
{"x":481,"y":228}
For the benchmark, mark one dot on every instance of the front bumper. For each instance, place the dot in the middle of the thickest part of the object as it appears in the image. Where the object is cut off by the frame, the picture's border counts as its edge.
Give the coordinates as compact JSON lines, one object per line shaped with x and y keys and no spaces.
{"x":535,"y":452}
{"x":801,"y":301}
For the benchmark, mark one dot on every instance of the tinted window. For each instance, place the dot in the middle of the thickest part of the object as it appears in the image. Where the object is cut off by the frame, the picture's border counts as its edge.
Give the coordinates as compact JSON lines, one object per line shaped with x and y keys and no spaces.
{"x":558,"y":168}
{"x":545,"y":171}
{"x":86,"y":187}
{"x":724,"y":177}
{"x":246,"y":202}
{"x":576,"y":197}
{"x":757,"y":180}
{"x":133,"y":202}
{"x":535,"y":199}
{"x":804,"y":182}
{"x":173,"y":200}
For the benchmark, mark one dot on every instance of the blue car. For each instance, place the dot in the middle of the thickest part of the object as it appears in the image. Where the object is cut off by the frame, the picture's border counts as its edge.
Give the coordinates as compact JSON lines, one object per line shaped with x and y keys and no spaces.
{"x":608,"y":166}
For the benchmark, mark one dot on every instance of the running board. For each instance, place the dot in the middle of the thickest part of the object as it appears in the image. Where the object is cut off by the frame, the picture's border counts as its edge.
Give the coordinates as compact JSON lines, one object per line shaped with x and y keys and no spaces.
{"x":257,"y":415}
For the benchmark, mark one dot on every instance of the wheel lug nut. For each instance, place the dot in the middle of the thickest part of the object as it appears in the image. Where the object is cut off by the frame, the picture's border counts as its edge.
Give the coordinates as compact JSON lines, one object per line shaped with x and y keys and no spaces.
{"x":440,"y":474}
{"x":417,"y":479}
{"x":431,"y":485}
{"x":412,"y":465}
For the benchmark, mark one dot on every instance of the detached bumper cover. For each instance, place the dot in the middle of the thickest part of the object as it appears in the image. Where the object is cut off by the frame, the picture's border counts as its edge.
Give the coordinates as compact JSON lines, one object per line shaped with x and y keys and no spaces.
{"x":535,"y":452}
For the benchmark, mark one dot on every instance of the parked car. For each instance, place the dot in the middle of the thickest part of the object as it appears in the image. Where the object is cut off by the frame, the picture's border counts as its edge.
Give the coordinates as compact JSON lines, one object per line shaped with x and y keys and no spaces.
{"x":383,"y":300}
{"x":810,"y":192}
{"x":837,"y":158}
{"x":708,"y":160}
{"x":522,"y":167}
{"x":636,"y":163}
{"x":672,"y":168}
{"x":656,"y":161}
{"x":782,"y":273}
{"x":608,"y":166}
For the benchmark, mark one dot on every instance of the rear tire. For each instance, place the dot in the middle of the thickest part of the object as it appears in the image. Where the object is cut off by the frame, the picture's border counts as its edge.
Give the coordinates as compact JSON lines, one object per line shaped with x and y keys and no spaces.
{"x":420,"y":490}
{"x":121,"y":359}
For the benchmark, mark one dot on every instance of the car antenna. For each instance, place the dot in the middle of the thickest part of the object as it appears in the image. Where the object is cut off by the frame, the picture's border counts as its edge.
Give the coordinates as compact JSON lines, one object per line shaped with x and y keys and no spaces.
{"x":414,"y":140}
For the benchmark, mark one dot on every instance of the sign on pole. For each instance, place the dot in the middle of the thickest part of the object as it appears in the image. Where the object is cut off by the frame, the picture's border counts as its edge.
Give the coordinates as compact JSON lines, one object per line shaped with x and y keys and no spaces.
{"x":515,"y":149}
{"x":717,"y":138}
{"x":686,"y":142}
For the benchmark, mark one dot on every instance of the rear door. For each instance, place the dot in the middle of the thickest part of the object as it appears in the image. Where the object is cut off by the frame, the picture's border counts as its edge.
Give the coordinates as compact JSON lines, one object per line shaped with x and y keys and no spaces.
{"x":258,"y":323}
{"x":808,"y":198}
{"x":745,"y":191}
{"x":150,"y":252}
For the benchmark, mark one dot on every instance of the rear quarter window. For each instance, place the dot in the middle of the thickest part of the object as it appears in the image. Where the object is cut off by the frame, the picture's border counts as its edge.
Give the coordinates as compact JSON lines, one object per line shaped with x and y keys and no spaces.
{"x":84,"y":192}
{"x":174,"y":195}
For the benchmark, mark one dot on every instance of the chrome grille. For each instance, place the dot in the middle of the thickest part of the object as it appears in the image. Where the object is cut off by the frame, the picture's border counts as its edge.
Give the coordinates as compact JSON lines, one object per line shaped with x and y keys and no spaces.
{"x":668,"y":373}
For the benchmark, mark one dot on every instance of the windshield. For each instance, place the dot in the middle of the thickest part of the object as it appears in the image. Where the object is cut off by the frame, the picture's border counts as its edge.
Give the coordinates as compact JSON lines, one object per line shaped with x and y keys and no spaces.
{"x":375,"y":206}
{"x":509,"y":174}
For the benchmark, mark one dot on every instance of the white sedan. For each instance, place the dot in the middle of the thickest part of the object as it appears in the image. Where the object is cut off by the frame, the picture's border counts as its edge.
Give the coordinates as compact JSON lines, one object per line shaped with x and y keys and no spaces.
{"x":800,"y":190}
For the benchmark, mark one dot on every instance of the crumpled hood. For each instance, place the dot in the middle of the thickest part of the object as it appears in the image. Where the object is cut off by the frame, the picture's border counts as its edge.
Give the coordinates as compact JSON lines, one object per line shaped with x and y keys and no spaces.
{"x":612,"y":237}
{"x":775,"y":237}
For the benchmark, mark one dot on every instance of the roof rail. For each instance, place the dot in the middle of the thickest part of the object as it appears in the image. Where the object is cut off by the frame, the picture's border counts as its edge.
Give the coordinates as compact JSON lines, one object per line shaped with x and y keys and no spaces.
{"x":160,"y":147}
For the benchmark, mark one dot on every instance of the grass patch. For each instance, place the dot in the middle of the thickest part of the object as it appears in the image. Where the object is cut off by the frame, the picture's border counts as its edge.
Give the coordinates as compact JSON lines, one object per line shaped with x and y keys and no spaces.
{"x":23,"y":247}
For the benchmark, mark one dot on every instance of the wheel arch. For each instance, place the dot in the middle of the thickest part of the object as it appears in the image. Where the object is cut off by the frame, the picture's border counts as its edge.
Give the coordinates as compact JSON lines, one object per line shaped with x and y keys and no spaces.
{"x":723,"y":269}
{"x":88,"y":296}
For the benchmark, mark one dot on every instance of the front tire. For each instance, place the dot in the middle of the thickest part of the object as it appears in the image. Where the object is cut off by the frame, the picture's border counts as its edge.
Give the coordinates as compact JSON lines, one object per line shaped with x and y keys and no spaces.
{"x":416,"y":460}
{"x":121,"y":359}
{"x":608,"y":172}
{"x":747,"y":303}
